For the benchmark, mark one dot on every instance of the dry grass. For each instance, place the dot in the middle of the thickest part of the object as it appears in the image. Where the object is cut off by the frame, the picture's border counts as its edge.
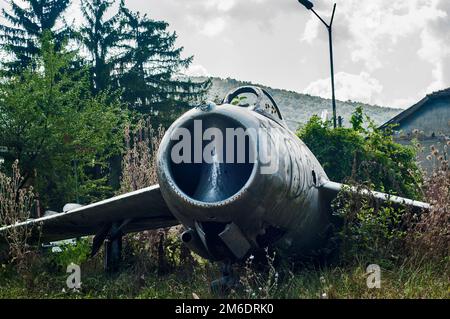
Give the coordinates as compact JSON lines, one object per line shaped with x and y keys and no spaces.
{"x":139,"y":171}
{"x":15,"y":206}
{"x":429,"y":235}
{"x":406,"y":280}
{"x":139,"y":161}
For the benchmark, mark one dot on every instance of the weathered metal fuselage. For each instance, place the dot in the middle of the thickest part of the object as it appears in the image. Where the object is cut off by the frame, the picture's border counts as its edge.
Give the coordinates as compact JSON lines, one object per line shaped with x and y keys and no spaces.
{"x":271,"y":198}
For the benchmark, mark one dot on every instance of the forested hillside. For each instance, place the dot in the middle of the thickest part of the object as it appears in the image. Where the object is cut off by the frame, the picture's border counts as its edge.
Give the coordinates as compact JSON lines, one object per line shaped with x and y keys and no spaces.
{"x":298,"y":108}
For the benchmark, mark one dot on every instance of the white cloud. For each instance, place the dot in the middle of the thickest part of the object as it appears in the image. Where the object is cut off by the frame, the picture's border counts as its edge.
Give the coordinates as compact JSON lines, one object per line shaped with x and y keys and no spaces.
{"x":213,"y":27}
{"x":356,"y":87}
{"x":196,"y":70}
{"x":372,"y":27}
{"x":240,"y":13}
{"x":375,"y":35}
{"x":435,"y":47}
{"x":402,"y":44}
{"x":220,"y":5}
{"x":311,"y":30}
{"x":405,"y":103}
{"x":378,"y":25}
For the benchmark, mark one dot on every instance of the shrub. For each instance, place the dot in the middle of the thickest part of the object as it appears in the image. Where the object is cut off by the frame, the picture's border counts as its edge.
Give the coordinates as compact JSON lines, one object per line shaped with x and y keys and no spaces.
{"x":368,"y":231}
{"x":429,"y":233}
{"x":139,"y":160}
{"x":77,"y":253}
{"x":16,"y":203}
{"x":63,"y":135}
{"x":367,"y":155}
{"x":386,"y":234}
{"x":155,"y":247}
{"x":368,"y":158}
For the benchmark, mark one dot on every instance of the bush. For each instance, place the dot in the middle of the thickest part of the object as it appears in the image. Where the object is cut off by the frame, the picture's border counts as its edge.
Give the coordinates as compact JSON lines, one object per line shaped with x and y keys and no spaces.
{"x":429,"y":233}
{"x":151,"y":249}
{"x":330,"y":144}
{"x":16,"y":203}
{"x":368,"y":158}
{"x":369,"y":231}
{"x":63,"y":135}
{"x":77,"y":253}
{"x":367,"y":155}
{"x":389,"y":235}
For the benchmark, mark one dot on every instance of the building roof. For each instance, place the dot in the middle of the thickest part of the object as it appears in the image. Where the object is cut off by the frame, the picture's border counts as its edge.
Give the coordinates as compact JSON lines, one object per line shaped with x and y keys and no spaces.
{"x":406,"y":113}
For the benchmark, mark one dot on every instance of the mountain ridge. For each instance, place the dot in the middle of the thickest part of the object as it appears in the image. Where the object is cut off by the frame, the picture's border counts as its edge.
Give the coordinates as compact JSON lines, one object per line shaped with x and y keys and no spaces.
{"x":297,"y":108}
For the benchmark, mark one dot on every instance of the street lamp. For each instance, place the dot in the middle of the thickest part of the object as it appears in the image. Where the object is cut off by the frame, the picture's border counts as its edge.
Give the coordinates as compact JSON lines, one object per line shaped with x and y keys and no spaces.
{"x":310,"y":6}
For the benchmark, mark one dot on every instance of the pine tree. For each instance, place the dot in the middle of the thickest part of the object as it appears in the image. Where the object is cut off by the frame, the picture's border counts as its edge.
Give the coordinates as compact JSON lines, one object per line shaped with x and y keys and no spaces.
{"x":148,"y":68}
{"x":99,"y":36}
{"x":27,"y":25}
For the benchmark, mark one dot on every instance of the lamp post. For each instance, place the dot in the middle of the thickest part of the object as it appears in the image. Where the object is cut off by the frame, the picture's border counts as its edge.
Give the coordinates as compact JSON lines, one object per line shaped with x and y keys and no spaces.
{"x":310,"y":6}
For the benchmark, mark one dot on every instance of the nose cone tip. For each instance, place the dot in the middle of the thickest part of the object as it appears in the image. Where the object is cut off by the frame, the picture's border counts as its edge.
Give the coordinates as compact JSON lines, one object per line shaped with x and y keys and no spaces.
{"x":207,"y":106}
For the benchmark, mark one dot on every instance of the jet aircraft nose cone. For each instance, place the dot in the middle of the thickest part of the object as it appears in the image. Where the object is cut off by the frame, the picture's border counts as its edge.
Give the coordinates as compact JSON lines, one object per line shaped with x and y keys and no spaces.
{"x":209,"y":157}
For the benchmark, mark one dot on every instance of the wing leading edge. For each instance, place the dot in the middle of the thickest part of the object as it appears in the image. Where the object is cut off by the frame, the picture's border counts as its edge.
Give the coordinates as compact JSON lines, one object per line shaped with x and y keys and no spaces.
{"x":329,"y":191}
{"x":140,"y":210}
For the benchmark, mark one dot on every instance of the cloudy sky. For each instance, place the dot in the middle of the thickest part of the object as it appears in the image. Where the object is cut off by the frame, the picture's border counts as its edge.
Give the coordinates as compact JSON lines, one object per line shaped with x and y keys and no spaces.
{"x":387,"y":52}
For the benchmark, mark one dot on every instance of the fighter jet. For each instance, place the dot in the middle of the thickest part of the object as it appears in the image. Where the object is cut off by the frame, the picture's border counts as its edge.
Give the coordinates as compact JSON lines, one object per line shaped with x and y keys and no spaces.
{"x":233,"y":175}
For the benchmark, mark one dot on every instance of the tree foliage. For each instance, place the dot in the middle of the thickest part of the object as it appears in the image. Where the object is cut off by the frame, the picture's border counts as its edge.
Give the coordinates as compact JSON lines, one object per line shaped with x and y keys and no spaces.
{"x":369,"y":156}
{"x":138,"y":57}
{"x":27,"y":24}
{"x":61,"y":110}
{"x":50,"y":121}
{"x":99,"y":35}
{"x":148,"y":67}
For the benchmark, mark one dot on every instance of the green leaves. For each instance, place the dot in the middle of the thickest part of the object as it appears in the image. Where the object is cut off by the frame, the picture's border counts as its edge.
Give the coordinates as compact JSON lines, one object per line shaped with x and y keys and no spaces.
{"x":61,"y":113}
{"x":100,"y":36}
{"x":138,"y":57}
{"x":76,"y":253}
{"x":29,"y":23}
{"x":357,"y":119}
{"x":50,"y":120}
{"x":368,"y":156}
{"x":150,"y":64}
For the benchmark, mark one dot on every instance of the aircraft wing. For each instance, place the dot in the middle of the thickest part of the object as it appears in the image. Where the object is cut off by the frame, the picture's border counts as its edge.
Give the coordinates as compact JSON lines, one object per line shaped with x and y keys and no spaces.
{"x":140,"y":210}
{"x":329,"y":191}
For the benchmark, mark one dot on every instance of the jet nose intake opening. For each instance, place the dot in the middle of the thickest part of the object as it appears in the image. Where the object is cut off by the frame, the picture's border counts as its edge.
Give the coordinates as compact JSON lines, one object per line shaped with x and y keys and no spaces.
{"x":211,"y":158}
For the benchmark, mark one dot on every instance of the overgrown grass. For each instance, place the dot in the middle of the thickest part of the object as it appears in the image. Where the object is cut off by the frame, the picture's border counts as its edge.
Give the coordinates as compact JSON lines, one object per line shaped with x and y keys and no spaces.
{"x":408,"y":279}
{"x":411,"y":249}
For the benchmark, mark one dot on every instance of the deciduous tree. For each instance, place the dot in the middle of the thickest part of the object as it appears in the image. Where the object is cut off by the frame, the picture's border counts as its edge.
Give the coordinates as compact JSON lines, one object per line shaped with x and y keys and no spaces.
{"x":50,"y":121}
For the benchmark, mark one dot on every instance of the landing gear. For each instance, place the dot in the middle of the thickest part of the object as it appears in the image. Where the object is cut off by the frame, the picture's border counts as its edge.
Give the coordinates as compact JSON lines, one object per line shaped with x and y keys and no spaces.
{"x":222,"y":287}
{"x":113,"y":250}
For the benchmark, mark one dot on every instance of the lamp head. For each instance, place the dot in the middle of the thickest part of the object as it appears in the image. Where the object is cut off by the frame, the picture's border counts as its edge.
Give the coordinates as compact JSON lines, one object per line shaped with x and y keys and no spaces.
{"x":308,"y":4}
